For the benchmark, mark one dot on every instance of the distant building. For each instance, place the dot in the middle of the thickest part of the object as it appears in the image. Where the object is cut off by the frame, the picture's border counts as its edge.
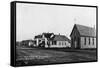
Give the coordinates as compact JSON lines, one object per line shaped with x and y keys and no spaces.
{"x":18,"y":43}
{"x":27,"y":43}
{"x":50,"y":40}
{"x":83,"y":37}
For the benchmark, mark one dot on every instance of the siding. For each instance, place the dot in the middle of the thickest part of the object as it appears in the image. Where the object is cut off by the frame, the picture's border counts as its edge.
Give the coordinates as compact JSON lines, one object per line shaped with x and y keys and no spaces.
{"x":87,"y":43}
{"x":61,"y":44}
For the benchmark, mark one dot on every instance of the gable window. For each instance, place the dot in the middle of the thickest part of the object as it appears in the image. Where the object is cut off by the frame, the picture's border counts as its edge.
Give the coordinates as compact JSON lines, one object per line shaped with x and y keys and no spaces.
{"x":93,"y":40}
{"x":84,"y":40}
{"x":89,"y":41}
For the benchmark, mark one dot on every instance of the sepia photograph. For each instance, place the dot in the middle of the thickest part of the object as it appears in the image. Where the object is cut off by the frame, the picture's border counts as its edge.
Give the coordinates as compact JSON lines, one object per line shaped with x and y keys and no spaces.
{"x":55,"y":34}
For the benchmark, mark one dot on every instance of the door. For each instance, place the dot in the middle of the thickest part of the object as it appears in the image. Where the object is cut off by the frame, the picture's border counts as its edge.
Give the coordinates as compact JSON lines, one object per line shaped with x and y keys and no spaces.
{"x":78,"y":43}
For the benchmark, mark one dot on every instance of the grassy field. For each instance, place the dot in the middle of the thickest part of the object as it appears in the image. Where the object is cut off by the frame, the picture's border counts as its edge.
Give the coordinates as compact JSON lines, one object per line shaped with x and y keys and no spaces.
{"x":38,"y":56}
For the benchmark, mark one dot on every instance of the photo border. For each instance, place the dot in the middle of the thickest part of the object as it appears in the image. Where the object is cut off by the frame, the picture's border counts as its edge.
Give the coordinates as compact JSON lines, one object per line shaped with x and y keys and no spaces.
{"x":13,"y":30}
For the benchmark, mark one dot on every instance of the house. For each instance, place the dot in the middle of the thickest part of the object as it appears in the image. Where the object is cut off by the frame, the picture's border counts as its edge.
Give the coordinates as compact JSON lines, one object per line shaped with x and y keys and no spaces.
{"x":18,"y":43}
{"x":59,"y":41}
{"x":50,"y":40}
{"x":27,"y":43}
{"x":83,"y":37}
{"x":38,"y":39}
{"x":42,"y":39}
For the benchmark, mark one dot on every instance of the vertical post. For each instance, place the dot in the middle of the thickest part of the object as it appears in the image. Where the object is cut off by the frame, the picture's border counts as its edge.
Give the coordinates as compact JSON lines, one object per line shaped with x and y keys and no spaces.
{"x":46,"y":43}
{"x":37,"y":42}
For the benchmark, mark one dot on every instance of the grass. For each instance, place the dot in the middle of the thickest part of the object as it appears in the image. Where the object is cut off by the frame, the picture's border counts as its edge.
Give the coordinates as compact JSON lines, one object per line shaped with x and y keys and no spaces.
{"x":38,"y":56}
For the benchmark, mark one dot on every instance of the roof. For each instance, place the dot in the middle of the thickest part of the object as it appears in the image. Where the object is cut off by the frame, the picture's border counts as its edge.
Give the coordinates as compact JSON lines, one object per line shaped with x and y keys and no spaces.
{"x":27,"y":40}
{"x":52,"y":36}
{"x":85,"y":30}
{"x":47,"y":35}
{"x":61,"y":38}
{"x":38,"y":36}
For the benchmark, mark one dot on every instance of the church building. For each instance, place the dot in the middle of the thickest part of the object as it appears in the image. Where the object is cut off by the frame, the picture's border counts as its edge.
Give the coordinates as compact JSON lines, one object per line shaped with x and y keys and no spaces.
{"x":83,"y":37}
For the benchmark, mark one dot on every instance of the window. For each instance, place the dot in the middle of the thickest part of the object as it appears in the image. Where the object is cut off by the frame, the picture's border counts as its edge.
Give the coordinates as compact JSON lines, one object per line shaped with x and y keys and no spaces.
{"x":59,"y":43}
{"x":89,"y":41}
{"x":62,"y":43}
{"x":52,"y":42}
{"x":93,"y":40}
{"x":55,"y":42}
{"x":84,"y":40}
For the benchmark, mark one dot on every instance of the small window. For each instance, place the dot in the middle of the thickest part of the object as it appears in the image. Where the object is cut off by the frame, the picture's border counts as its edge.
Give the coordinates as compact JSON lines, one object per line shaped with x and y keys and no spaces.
{"x":89,"y":41}
{"x":55,"y":42}
{"x":84,"y":40}
{"x":93,"y":41}
{"x":65,"y":43}
{"x":59,"y":43}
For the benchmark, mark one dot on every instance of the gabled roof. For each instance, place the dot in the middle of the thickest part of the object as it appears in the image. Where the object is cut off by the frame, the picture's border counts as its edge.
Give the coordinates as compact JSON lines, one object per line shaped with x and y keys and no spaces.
{"x":47,"y":35}
{"x":38,"y":36}
{"x":61,"y":38}
{"x":85,"y":30}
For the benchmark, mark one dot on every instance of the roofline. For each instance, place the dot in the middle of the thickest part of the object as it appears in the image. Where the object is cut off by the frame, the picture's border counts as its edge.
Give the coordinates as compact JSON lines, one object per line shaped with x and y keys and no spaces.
{"x":73,"y":30}
{"x":85,"y":26}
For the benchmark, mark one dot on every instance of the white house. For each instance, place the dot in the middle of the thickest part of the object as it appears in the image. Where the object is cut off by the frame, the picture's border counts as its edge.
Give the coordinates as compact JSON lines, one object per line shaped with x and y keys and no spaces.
{"x":50,"y":40}
{"x":59,"y":41}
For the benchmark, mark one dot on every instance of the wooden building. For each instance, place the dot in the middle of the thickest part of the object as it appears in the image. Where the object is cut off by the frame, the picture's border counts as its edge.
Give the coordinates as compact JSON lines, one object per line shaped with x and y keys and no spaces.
{"x":50,"y":40}
{"x":83,"y":37}
{"x":59,"y":41}
{"x":27,"y":43}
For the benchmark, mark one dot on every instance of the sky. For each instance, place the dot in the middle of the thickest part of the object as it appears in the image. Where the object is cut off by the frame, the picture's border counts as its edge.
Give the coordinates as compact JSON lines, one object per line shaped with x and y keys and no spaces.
{"x":34,"y":19}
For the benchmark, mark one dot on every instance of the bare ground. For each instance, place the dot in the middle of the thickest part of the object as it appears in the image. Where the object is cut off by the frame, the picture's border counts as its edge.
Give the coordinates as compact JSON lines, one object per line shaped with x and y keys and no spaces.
{"x":38,"y":56}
